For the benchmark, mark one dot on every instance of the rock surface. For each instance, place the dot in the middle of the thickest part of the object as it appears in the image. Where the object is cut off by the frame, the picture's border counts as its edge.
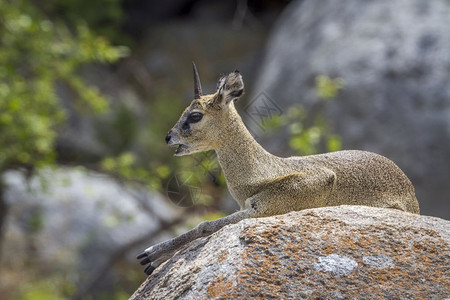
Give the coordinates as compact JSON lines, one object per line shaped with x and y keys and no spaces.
{"x":346,"y":252}
{"x":393,"y":57}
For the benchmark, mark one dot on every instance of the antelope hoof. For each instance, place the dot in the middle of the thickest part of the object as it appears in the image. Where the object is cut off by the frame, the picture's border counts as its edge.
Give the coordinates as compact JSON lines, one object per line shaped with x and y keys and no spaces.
{"x":149,"y":270}
{"x":142,"y":255}
{"x":146,"y":260}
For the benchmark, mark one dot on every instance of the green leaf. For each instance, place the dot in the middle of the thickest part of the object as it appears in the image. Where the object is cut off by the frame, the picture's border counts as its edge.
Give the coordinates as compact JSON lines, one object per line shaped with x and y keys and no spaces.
{"x":328,"y":88}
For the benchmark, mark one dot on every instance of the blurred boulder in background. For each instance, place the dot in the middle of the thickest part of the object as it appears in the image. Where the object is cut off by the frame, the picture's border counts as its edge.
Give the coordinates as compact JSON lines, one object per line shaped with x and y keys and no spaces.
{"x":394,"y":59}
{"x":71,"y":222}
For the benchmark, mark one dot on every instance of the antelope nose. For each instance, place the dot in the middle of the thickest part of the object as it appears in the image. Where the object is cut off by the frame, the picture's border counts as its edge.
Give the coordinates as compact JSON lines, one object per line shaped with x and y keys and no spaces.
{"x":168,"y":137}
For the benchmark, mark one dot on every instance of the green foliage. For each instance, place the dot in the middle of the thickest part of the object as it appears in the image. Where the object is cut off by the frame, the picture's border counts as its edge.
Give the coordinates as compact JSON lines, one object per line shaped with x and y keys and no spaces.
{"x":309,"y":134}
{"x":103,"y":16}
{"x":126,"y":166}
{"x":36,"y":56}
{"x":334,"y":142}
{"x":328,"y":88}
{"x":50,"y":288}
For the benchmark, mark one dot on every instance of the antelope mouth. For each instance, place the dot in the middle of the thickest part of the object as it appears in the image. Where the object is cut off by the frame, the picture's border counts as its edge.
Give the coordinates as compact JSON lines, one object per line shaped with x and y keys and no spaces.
{"x":180,"y":149}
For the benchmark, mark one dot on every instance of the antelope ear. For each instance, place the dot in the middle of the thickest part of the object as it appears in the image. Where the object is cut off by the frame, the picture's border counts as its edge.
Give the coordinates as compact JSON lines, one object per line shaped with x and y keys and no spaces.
{"x":229,"y":88}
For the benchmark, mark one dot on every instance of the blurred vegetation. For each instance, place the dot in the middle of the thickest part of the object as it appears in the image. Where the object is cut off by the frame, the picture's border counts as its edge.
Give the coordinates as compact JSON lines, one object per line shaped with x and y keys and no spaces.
{"x":311,"y":134}
{"x":103,"y":16}
{"x":309,"y":131}
{"x":36,"y":56}
{"x":328,"y":88}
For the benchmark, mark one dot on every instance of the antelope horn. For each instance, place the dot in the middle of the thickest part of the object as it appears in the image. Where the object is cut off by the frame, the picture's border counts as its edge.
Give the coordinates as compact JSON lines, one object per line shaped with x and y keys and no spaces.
{"x":197,"y":85}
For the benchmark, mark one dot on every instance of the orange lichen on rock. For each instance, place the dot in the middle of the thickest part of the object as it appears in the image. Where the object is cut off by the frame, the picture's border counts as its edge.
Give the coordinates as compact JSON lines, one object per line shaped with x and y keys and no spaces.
{"x":333,"y":252}
{"x":218,"y":287}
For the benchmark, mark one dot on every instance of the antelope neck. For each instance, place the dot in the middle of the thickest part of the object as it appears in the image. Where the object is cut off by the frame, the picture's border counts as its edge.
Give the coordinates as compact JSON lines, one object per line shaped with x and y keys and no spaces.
{"x":239,"y":154}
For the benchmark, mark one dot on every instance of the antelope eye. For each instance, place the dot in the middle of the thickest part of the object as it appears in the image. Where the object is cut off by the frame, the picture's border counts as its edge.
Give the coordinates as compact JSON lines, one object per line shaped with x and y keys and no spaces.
{"x":195,"y":117}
